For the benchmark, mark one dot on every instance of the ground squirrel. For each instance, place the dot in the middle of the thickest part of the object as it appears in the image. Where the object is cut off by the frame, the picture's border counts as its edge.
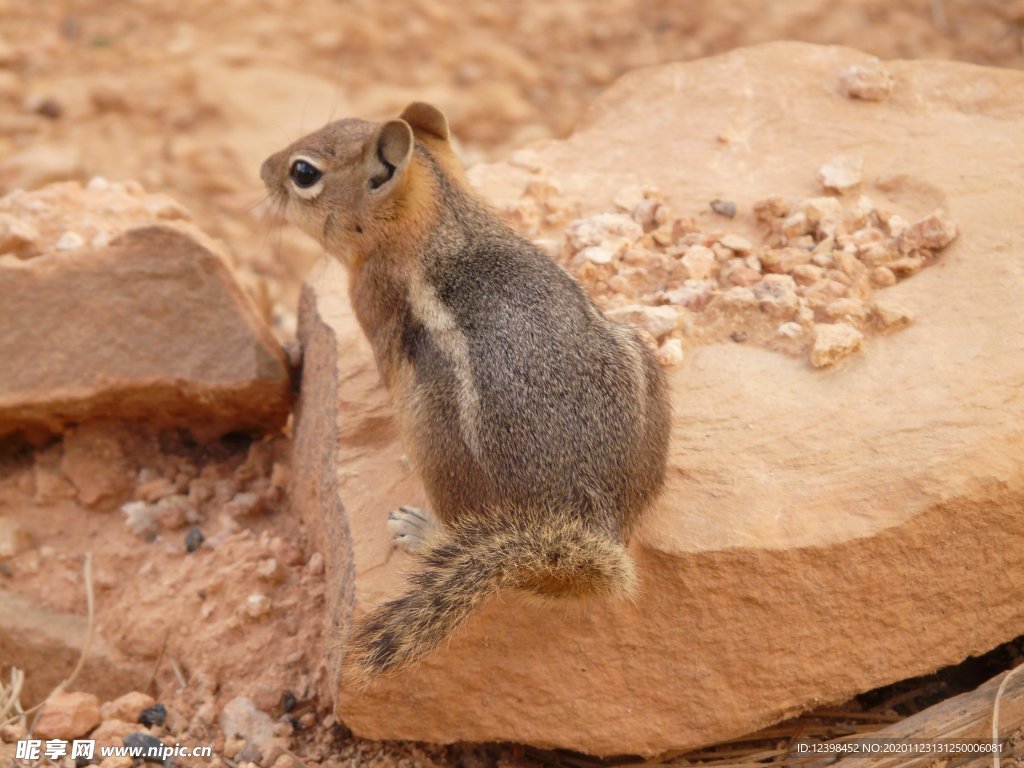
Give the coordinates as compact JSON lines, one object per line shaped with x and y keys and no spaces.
{"x":538,"y":427}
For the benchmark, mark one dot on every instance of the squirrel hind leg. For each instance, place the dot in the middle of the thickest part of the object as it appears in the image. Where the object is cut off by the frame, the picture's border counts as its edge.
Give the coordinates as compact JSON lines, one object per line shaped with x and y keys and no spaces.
{"x":411,"y":528}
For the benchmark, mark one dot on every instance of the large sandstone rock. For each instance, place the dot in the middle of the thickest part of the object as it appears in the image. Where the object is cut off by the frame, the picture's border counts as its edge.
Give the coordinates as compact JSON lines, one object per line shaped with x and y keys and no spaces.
{"x":112,"y":306}
{"x":823,"y":532}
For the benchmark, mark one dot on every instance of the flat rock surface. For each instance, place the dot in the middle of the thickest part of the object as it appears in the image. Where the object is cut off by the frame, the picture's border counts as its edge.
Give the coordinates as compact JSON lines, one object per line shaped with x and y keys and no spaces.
{"x":823,"y":532}
{"x":113,"y":307}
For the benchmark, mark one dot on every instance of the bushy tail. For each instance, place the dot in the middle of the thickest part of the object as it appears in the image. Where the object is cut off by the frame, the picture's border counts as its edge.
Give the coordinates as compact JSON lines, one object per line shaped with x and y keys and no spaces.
{"x":467,"y":563}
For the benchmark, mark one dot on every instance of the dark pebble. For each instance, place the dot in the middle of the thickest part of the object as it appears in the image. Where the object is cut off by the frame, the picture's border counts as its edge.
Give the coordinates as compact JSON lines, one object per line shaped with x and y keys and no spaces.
{"x":288,"y":701}
{"x":738,"y":336}
{"x":150,"y":746}
{"x":194,"y":538}
{"x":724,"y":208}
{"x":154,"y":715}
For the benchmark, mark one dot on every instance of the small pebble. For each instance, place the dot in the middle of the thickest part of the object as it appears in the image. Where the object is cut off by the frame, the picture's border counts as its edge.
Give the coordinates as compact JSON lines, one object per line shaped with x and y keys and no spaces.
{"x":841,"y":173}
{"x":724,"y":208}
{"x":150,"y":745}
{"x":194,"y":539}
{"x":869,"y":82}
{"x":69,"y":241}
{"x":288,"y":701}
{"x":155,"y":715}
{"x":258,"y":605}
{"x":737,"y":244}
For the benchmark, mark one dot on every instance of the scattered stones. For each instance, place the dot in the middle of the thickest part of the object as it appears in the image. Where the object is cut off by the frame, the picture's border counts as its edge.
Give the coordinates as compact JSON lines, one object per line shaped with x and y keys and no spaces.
{"x":723,"y":208}
{"x":841,"y":174}
{"x":870,"y":82}
{"x":820,"y":262}
{"x":832,"y":342}
{"x":127,"y":707}
{"x":68,"y":716}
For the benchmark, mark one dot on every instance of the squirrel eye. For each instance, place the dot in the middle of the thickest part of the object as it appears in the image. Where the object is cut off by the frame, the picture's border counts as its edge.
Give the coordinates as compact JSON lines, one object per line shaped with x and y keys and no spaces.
{"x":304,"y":174}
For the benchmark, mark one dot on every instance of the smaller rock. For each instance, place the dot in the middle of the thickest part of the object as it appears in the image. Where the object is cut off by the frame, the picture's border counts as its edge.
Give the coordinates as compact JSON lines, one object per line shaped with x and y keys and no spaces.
{"x":616,"y":231}
{"x":142,"y":519}
{"x":315,"y":566}
{"x":245,"y":504}
{"x":258,"y":605}
{"x":194,"y":539}
{"x":69,"y":241}
{"x":933,"y":232}
{"x":777,"y":294}
{"x":14,"y":538}
{"x":17,"y":236}
{"x":272,"y":749}
{"x":765,"y":211}
{"x":150,"y":747}
{"x":596,"y":254}
{"x":791,"y":330}
{"x":155,"y":714}
{"x":111,"y":732}
{"x":723,"y":208}
{"x":846,"y":309}
{"x":841,"y":173}
{"x":126,"y":707}
{"x":241,"y":718}
{"x":657,"y":321}
{"x":670,"y":353}
{"x":232,"y":746}
{"x":795,"y":225}
{"x":832,"y":342}
{"x":737,"y":244}
{"x":175,"y":511}
{"x":870,"y":82}
{"x":156,"y":489}
{"x":68,"y":716}
{"x":270,"y":570}
{"x":738,"y":298}
{"x":890,"y":316}
{"x":288,"y":703}
{"x":700,"y":262}
{"x":744,"y":275}
{"x":883,"y":277}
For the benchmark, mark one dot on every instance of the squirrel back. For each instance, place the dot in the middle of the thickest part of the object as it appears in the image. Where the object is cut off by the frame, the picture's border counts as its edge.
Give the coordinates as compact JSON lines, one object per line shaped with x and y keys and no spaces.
{"x":538,"y":427}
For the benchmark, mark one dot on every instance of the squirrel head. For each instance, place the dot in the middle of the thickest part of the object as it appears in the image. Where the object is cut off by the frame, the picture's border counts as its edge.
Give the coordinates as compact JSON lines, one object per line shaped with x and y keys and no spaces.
{"x":352,"y":184}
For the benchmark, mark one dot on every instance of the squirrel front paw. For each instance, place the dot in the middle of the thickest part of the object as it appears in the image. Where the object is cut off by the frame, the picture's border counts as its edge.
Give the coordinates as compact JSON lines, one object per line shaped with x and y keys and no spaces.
{"x":410,"y":527}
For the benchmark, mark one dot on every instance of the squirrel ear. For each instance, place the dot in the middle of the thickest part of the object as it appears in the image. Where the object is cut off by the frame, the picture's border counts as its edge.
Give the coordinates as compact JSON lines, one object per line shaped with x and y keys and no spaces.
{"x":426,"y":118}
{"x":388,"y":152}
